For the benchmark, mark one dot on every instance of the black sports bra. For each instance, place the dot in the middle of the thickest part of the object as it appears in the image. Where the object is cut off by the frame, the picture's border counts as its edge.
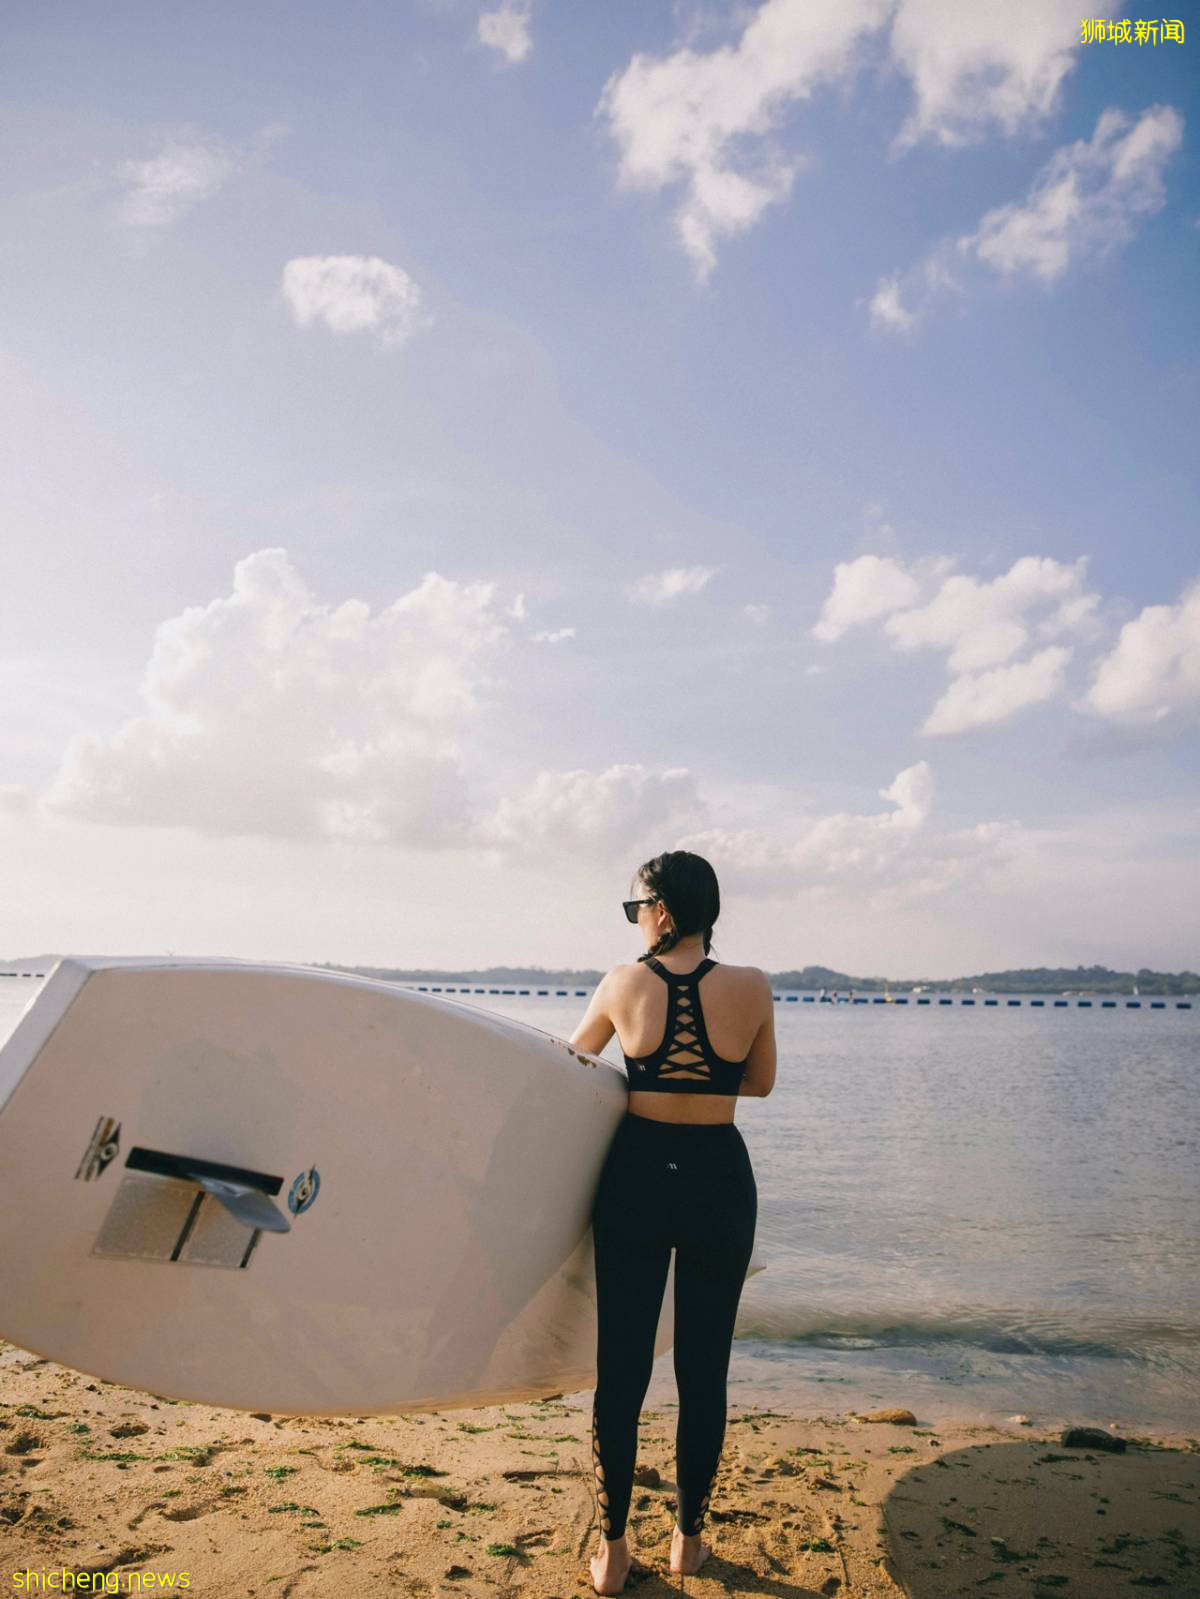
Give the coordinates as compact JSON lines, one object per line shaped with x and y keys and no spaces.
{"x":685,"y":1062}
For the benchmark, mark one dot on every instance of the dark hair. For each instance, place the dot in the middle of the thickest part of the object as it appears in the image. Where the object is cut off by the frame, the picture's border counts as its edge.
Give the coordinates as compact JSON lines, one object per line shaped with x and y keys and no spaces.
{"x":687,"y":886}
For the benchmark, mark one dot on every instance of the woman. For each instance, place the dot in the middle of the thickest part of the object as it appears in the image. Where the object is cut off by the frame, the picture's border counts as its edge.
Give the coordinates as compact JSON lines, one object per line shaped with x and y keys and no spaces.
{"x":695,"y":1036}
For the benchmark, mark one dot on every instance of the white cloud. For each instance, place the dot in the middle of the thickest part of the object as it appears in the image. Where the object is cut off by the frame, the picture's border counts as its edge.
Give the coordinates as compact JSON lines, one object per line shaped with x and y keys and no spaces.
{"x":1147,"y":686}
{"x":1150,"y":681}
{"x":678,"y":118}
{"x":979,"y":625}
{"x":930,"y":282}
{"x":659,"y":588}
{"x":982,"y":624}
{"x":886,"y":309}
{"x":824,"y":846}
{"x":758,"y":614}
{"x":354,"y":294}
{"x":1083,"y":203}
{"x":269,"y":714}
{"x":553,"y":635}
{"x":888,"y":857}
{"x":1074,"y":614}
{"x":1085,"y":199}
{"x":708,"y":120}
{"x":981,"y":699}
{"x":189,"y":168}
{"x":611,"y":812}
{"x":506,"y":30}
{"x":517,"y":608}
{"x":863,"y":590}
{"x":1106,"y":886}
{"x":975,"y":67}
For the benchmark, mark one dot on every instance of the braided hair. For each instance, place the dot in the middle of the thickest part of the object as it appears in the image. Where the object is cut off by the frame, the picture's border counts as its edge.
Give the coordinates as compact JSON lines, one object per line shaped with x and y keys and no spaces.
{"x":687,"y":886}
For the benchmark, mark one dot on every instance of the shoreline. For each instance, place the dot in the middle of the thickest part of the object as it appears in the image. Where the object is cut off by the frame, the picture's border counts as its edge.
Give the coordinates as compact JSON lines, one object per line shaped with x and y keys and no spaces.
{"x":497,"y":1500}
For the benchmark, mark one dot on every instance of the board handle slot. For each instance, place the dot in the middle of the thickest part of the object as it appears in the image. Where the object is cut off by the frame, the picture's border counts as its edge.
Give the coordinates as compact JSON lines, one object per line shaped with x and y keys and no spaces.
{"x":245,"y":1194}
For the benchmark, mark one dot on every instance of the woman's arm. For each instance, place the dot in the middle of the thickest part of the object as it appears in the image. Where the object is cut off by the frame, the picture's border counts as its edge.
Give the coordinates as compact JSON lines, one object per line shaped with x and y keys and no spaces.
{"x":759,"y":1078}
{"x":597,"y":1026}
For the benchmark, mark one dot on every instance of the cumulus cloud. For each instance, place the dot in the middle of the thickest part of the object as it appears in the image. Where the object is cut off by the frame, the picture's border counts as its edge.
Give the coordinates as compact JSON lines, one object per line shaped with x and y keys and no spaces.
{"x":1149,"y":683}
{"x":1084,"y":203}
{"x":828,"y":846}
{"x":980,"y":626}
{"x":187,"y":169}
{"x":709,"y":120}
{"x":684,"y":117}
{"x":1086,"y":197}
{"x":980,"y":699}
{"x":886,"y":858}
{"x":864,"y":590}
{"x":607,"y":811}
{"x":354,"y":294}
{"x":505,"y":29}
{"x":267,"y":713}
{"x":659,"y":588}
{"x":977,"y":67}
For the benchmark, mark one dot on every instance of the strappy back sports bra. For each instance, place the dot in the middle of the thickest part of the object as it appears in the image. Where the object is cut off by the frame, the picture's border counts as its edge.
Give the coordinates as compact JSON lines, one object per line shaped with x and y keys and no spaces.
{"x":685,"y":1062}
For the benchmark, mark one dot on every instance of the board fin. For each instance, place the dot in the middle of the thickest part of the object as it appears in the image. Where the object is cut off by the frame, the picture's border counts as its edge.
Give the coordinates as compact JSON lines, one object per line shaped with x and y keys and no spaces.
{"x":250,"y":1206}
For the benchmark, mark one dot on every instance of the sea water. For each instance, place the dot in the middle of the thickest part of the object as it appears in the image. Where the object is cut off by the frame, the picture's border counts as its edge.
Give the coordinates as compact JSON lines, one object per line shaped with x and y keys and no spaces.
{"x":968,"y":1212}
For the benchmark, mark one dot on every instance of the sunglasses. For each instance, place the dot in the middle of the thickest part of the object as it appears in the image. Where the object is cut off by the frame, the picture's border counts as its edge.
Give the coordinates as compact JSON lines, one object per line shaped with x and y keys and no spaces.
{"x":631,"y":907}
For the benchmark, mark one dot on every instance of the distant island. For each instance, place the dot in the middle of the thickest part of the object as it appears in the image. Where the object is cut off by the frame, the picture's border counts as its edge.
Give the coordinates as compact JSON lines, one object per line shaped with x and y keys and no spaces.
{"x":1022,"y":980}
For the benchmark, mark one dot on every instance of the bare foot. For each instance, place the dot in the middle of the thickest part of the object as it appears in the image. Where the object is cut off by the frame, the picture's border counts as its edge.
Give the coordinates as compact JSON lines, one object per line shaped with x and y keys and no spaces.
{"x":611,"y":1566}
{"x":688,"y":1554}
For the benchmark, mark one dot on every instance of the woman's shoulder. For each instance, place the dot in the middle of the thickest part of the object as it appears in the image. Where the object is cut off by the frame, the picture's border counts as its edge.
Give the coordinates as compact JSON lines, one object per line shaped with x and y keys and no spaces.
{"x":751,"y":976}
{"x":621,"y":976}
{"x":746,"y":985}
{"x":630,"y":977}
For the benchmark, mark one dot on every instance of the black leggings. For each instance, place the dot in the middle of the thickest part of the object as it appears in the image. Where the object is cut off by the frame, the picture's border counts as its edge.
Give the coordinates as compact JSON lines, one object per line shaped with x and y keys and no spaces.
{"x":664,"y":1185}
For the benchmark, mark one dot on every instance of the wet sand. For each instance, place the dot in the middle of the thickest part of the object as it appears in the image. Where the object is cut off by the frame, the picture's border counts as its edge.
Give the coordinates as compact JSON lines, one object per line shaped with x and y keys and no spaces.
{"x":103,"y":1479}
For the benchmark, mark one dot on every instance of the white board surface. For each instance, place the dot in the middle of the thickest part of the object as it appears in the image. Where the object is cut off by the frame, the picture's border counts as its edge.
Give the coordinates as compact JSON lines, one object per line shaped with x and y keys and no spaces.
{"x":276,"y":1188}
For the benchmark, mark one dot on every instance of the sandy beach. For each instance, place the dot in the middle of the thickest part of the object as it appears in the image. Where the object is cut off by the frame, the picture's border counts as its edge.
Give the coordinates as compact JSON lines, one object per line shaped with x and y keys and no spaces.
{"x":101,"y":1479}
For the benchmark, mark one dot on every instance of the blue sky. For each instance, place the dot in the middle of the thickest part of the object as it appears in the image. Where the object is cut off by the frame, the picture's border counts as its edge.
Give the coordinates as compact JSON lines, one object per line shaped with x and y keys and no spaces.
{"x":457,"y":450}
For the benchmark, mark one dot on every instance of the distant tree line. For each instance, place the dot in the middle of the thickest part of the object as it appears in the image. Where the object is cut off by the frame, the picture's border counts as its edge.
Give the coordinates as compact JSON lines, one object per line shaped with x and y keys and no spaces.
{"x":529,"y":976}
{"x":1023,"y":980}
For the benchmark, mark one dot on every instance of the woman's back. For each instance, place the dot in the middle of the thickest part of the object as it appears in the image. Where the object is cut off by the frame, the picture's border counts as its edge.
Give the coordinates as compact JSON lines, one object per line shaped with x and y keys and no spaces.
{"x":728,"y":997}
{"x":726,"y":1008}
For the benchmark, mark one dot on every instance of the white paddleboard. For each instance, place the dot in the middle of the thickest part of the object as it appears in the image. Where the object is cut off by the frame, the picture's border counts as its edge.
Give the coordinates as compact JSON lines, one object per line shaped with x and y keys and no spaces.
{"x":276,"y":1188}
